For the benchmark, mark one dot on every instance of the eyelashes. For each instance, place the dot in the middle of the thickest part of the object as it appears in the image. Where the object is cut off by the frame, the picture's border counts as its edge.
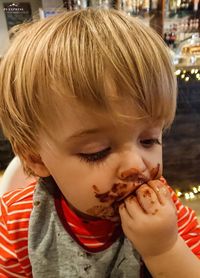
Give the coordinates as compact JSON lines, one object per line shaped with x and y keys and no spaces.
{"x":148,"y":143}
{"x":101,"y":155}
{"x":95,"y":157}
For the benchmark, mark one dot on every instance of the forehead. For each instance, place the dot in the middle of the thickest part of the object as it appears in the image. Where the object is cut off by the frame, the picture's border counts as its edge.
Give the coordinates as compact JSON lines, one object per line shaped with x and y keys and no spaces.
{"x":74,"y":117}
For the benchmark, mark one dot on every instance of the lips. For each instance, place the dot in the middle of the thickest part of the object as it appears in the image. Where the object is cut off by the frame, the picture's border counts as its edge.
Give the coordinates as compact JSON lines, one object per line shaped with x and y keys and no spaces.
{"x":121,"y":190}
{"x":137,"y":179}
{"x":131,"y":179}
{"x":123,"y":195}
{"x":135,"y":186}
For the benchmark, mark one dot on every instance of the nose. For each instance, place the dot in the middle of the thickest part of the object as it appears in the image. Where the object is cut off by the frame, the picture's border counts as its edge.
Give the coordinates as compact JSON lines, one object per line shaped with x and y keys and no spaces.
{"x":132,"y":166}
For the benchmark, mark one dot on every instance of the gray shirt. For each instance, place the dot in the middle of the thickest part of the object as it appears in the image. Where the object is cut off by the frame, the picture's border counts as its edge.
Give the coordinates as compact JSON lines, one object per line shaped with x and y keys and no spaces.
{"x":53,"y":252}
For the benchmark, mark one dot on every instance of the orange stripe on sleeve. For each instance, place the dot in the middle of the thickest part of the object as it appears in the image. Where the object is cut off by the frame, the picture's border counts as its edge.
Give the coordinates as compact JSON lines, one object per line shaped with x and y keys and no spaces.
{"x":15,"y":209}
{"x":188,"y":225}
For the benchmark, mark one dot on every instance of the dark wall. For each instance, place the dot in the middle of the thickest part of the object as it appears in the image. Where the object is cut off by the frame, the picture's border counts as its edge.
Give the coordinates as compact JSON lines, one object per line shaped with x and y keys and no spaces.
{"x":182,"y":143}
{"x":6,"y":153}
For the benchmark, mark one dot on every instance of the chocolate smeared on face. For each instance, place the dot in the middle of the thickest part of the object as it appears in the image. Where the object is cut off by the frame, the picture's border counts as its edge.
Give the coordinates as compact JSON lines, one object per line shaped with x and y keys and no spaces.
{"x":95,"y":188}
{"x":102,"y":211}
{"x":132,"y":180}
{"x":154,"y":172}
{"x":132,"y":175}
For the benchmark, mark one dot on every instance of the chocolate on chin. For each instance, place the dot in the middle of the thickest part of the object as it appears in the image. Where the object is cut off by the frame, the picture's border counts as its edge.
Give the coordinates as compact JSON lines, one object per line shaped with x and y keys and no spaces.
{"x":101,"y":211}
{"x":111,"y":201}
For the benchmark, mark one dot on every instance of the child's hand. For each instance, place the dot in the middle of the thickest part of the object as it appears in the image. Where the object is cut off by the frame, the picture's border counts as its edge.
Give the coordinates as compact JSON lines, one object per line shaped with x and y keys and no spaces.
{"x":149,"y":220}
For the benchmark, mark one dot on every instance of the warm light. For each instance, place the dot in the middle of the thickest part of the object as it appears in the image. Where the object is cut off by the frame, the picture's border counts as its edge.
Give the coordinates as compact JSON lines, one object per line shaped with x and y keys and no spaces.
{"x":187,"y":196}
{"x":195,"y":190}
{"x":196,"y":71}
{"x":192,"y":71}
{"x":178,"y":72}
{"x":187,"y":78}
{"x":179,"y":193}
{"x":192,"y":195}
{"x":182,"y":76}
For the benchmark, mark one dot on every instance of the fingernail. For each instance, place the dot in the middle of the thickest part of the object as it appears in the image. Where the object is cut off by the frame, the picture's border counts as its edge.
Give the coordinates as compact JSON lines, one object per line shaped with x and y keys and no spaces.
{"x":164,"y":190}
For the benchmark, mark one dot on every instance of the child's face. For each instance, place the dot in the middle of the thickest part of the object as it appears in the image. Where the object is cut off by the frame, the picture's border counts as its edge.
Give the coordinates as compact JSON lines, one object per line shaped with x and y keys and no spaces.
{"x":97,"y":163}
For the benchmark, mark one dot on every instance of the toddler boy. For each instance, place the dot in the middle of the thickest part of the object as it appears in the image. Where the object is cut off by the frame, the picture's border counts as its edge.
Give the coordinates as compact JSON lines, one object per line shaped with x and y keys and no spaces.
{"x":84,"y":99}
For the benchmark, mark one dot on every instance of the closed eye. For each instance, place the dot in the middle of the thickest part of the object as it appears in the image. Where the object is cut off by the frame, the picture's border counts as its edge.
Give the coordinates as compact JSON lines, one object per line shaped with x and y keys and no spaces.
{"x":95,"y":157}
{"x":148,"y":143}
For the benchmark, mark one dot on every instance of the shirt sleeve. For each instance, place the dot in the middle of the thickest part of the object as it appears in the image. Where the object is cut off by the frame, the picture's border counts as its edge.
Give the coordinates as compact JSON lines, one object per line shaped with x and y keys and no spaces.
{"x":15,"y":210}
{"x":9,"y":263}
{"x":188,"y":226}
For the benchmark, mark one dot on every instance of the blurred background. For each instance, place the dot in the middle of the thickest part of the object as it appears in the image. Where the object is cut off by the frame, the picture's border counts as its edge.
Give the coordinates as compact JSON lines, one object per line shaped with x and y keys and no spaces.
{"x":178,"y":22}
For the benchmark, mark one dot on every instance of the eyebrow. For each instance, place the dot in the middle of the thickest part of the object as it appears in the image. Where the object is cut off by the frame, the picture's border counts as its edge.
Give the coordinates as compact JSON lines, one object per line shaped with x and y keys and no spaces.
{"x":85,"y":132}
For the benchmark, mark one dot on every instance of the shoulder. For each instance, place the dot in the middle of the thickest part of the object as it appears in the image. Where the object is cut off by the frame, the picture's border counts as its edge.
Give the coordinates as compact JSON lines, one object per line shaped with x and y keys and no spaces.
{"x":19,"y":195}
{"x":16,"y":207}
{"x":17,"y":204}
{"x":15,"y":210}
{"x":188,"y":226}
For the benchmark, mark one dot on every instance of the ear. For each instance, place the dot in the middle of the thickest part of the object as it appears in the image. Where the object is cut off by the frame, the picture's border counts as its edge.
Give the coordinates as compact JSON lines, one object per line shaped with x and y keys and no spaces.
{"x":35,"y":163}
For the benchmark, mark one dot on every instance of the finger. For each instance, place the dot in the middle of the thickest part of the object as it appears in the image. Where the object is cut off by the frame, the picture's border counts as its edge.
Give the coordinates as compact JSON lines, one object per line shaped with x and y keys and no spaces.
{"x":147,"y":199}
{"x":133,"y":207}
{"x":163,"y":194}
{"x":124,"y":215}
{"x":160,"y":190}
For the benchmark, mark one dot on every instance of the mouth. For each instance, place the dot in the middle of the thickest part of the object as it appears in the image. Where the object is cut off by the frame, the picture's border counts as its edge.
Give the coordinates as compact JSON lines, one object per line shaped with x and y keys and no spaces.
{"x":113,"y":199}
{"x":118,"y":201}
{"x":116,"y":196}
{"x":122,"y":190}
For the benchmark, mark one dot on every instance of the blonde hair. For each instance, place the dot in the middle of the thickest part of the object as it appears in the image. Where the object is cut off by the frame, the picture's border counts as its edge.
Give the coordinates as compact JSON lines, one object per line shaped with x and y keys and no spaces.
{"x":69,"y":55}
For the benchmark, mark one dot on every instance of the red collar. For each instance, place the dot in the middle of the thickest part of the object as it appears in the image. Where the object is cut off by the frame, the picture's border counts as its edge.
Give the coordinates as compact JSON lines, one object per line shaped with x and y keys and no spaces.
{"x":94,"y":235}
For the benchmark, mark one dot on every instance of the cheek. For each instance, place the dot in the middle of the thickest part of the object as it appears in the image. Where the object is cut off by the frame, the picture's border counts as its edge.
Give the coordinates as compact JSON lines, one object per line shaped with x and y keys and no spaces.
{"x":76,"y":180}
{"x":161,"y":170}
{"x":157,"y":157}
{"x":160,"y":162}
{"x":78,"y":184}
{"x":154,"y":163}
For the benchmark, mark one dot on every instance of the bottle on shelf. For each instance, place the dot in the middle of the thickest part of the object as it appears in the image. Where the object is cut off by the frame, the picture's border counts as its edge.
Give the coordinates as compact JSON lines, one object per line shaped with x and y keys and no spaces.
{"x":153,"y":5}
{"x":185,"y":7}
{"x":196,"y":9}
{"x":172,"y":10}
{"x":145,"y":7}
{"x":178,"y":32}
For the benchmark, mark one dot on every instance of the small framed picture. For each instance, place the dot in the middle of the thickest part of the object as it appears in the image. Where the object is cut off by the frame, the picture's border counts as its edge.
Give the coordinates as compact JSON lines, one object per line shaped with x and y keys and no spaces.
{"x":17,"y":13}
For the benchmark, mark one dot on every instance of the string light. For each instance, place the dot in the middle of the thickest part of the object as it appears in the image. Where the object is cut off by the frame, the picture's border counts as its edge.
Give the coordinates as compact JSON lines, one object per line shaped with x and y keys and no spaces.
{"x":192,"y":194}
{"x":178,"y":72}
{"x":179,"y":194}
{"x":188,"y":75}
